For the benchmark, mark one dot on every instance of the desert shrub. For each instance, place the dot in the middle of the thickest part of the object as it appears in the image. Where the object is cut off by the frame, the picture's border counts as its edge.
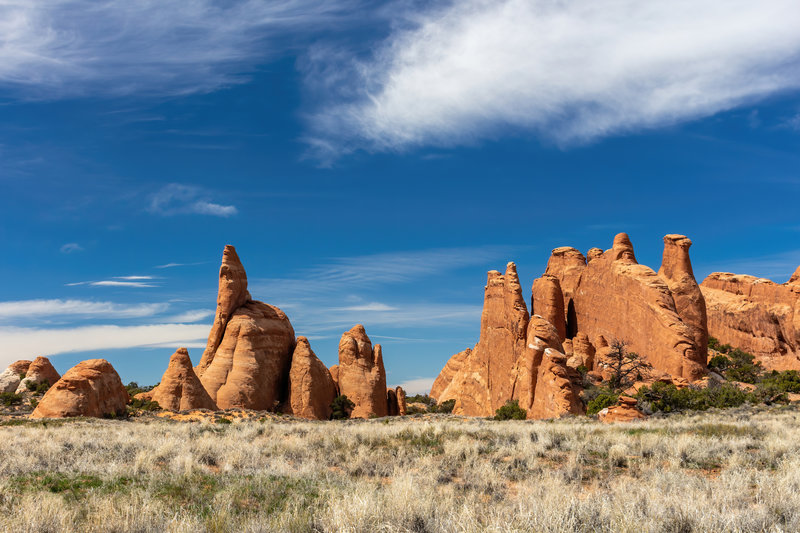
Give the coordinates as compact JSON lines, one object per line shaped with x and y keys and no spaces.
{"x":342,"y":407}
{"x":421,"y":398}
{"x":719,"y":364}
{"x":37,"y":388}
{"x":668,"y":398}
{"x":134,"y":388}
{"x":605,"y":398}
{"x":775,"y":386}
{"x":9,"y":398}
{"x":415,"y":410}
{"x":34,"y":402}
{"x":138,"y":404}
{"x":444,"y":407}
{"x":714,"y":344}
{"x":511,"y":411}
{"x":737,"y":365}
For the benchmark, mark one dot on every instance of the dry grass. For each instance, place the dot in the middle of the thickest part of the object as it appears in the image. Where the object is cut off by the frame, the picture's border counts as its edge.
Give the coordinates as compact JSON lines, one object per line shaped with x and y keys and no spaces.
{"x":737,"y":470}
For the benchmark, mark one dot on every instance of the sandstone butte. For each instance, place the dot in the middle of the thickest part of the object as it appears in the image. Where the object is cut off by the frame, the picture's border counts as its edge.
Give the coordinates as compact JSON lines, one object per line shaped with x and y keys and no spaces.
{"x":756,"y":315}
{"x":311,"y":387}
{"x":609,"y":296}
{"x":12,"y":375}
{"x":90,"y":388}
{"x":38,"y":372}
{"x":180,"y":388}
{"x":361,"y":376}
{"x":247,"y":358}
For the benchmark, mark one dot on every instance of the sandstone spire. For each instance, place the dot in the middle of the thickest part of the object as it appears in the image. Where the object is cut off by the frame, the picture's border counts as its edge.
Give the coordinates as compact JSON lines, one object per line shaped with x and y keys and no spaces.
{"x":311,"y":387}
{"x":676,"y":270}
{"x":231,"y":295}
{"x":180,"y":388}
{"x":361,"y":375}
{"x":557,"y":392}
{"x":541,"y":335}
{"x":547,"y":300}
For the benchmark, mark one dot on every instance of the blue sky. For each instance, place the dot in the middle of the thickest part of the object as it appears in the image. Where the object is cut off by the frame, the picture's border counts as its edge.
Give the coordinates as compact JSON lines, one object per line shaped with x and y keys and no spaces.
{"x":371,"y":161}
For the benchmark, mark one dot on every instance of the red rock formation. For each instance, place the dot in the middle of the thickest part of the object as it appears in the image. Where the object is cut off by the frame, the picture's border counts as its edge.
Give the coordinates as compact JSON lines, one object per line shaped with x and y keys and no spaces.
{"x":251,"y":364}
{"x":90,"y":388}
{"x":391,"y":402}
{"x":756,"y":315}
{"x":20,"y":367}
{"x":39,"y":371}
{"x":231,"y":295}
{"x":10,"y":378}
{"x":547,"y":301}
{"x":623,"y":411}
{"x":541,"y":335}
{"x":402,"y":408}
{"x":795,"y":279}
{"x":617,"y":298}
{"x":362,"y":377}
{"x":676,"y":270}
{"x":441,"y":389}
{"x":180,"y":388}
{"x":485,"y":381}
{"x":567,"y":264}
{"x":582,"y":352}
{"x":334,"y":370}
{"x":311,"y":387}
{"x":557,"y":388}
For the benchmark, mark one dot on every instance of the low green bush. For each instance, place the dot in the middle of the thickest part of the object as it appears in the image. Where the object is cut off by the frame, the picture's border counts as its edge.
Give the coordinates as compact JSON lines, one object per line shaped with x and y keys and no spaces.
{"x":444,"y":407}
{"x":604,"y":399}
{"x":9,"y":398}
{"x":511,"y":411}
{"x":342,"y":407}
{"x":138,"y":404}
{"x":666,"y":397}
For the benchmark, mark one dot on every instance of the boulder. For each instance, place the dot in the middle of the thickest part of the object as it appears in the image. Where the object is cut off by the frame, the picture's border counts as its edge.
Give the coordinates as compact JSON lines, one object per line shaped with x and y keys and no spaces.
{"x":756,"y":315}
{"x":90,"y":388}
{"x":547,"y":300}
{"x":617,"y":298}
{"x":231,"y":294}
{"x":311,"y":387}
{"x":557,"y":388}
{"x":12,"y":375}
{"x":486,"y":381}
{"x":39,"y":371}
{"x":623,"y":411}
{"x":180,"y":388}
{"x":250,"y":367}
{"x":676,"y":270}
{"x":441,"y":389}
{"x":362,"y":377}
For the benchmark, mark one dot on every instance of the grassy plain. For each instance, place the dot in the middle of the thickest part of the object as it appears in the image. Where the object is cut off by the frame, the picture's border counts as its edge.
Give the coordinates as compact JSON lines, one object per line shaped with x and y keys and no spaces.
{"x":733,"y":470}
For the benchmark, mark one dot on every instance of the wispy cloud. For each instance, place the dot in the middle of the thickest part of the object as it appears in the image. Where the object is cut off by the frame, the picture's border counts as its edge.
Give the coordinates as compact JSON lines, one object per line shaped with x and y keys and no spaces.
{"x":76,"y":47}
{"x":189,"y":317}
{"x":125,"y":281}
{"x":568,"y":71}
{"x":71,"y":247}
{"x":173,"y":265}
{"x":27,"y":343}
{"x":418,"y":385}
{"x":177,"y":199}
{"x":76,"y":308}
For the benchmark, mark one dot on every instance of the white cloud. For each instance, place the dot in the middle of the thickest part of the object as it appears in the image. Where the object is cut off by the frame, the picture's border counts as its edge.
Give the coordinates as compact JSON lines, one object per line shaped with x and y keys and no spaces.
{"x":191,"y":316}
{"x":27,"y":343}
{"x":77,"y":308}
{"x":568,"y":71}
{"x":58,"y":48}
{"x":176,"y":199}
{"x":112,"y":283}
{"x":133,"y":278}
{"x":173,"y":265}
{"x":373,"y":306}
{"x":418,"y":385}
{"x":71,"y":247}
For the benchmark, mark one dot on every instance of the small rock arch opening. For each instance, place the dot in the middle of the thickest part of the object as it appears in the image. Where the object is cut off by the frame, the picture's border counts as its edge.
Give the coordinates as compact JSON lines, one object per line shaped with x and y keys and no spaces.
{"x":572,"y":320}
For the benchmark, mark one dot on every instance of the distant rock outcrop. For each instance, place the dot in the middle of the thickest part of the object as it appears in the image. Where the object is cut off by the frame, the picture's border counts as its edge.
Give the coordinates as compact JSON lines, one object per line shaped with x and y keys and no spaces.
{"x":756,"y":315}
{"x":180,"y":388}
{"x":442,"y":390}
{"x":12,"y":375}
{"x":90,"y":388}
{"x":402,"y":407}
{"x":247,"y":358}
{"x":623,"y":411}
{"x":39,"y":371}
{"x":361,"y":374}
{"x":311,"y":387}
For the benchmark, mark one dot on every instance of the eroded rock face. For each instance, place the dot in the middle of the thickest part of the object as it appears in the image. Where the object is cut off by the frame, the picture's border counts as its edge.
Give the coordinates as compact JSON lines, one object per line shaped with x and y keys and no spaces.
{"x":250,"y":366}
{"x":362,"y":377}
{"x":541,"y":336}
{"x":334,"y":370}
{"x":39,"y":371}
{"x":617,"y":298}
{"x":583,"y":352}
{"x":20,"y":367}
{"x":180,"y":388}
{"x":311,"y":387}
{"x":756,"y":315}
{"x":547,"y":300}
{"x":676,"y":270}
{"x":12,"y":375}
{"x":90,"y":388}
{"x":391,"y":402}
{"x":441,"y":389}
{"x":486,"y":381}
{"x":567,"y":265}
{"x":557,"y":388}
{"x":231,"y":295}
